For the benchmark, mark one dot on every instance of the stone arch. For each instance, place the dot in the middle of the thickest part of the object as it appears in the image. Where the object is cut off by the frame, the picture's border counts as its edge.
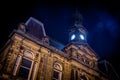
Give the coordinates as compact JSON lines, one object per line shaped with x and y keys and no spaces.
{"x":29,"y":54}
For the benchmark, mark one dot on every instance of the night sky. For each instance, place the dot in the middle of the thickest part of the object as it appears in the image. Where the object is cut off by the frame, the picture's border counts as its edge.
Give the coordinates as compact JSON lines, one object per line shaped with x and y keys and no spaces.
{"x":100,"y":18}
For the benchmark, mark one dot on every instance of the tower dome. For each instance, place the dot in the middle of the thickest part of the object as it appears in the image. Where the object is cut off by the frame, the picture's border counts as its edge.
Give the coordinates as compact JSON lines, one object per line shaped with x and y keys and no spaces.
{"x":78,"y":33}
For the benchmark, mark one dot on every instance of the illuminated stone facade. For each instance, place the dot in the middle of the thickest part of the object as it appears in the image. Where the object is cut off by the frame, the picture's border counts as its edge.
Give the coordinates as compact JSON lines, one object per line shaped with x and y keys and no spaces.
{"x":30,"y":55}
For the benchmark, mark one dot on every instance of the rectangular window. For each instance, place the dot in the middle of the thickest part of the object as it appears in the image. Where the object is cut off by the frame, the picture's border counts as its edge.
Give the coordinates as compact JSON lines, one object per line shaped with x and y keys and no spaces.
{"x":26,"y":63}
{"x":72,"y":75}
{"x":24,"y":68}
{"x":56,"y":75}
{"x":23,"y":73}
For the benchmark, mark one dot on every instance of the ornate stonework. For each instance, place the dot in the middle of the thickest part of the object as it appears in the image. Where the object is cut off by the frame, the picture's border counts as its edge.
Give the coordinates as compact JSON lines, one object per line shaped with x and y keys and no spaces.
{"x":28,"y":58}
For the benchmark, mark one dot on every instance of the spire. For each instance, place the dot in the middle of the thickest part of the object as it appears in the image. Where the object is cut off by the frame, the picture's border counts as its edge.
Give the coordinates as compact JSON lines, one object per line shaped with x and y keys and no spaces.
{"x":77,"y":18}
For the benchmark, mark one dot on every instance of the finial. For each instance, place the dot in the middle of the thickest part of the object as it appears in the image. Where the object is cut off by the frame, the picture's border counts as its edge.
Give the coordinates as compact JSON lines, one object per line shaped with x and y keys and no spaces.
{"x":77,"y":18}
{"x":21,"y":27}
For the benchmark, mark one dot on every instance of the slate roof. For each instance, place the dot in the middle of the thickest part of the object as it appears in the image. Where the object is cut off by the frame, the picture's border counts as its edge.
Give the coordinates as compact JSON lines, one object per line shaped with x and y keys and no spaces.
{"x":35,"y":28}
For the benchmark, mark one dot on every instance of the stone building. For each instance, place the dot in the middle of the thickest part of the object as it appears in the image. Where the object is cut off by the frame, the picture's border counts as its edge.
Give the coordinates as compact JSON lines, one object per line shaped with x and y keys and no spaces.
{"x":30,"y":54}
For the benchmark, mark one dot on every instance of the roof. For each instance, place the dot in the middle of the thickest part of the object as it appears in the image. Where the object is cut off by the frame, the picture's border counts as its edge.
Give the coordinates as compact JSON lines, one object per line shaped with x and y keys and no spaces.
{"x":35,"y":28}
{"x":56,"y":44}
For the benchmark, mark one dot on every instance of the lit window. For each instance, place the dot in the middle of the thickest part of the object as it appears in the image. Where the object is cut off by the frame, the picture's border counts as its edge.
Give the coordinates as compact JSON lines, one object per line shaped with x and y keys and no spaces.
{"x":73,"y":37}
{"x":57,"y":71}
{"x":82,"y":37}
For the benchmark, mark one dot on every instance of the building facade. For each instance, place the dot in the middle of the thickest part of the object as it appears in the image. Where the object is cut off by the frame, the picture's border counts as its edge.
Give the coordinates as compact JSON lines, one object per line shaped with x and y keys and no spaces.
{"x":30,"y":54}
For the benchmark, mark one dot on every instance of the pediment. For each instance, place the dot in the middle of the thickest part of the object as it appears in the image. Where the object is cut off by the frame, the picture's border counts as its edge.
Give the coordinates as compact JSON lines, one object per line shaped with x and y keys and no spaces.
{"x":82,"y":49}
{"x":87,"y":50}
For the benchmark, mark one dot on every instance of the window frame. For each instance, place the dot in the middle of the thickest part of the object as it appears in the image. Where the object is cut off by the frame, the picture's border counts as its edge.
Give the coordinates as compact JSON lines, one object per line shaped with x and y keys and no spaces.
{"x":57,"y":69}
{"x":30,"y":69}
{"x":33,"y":66}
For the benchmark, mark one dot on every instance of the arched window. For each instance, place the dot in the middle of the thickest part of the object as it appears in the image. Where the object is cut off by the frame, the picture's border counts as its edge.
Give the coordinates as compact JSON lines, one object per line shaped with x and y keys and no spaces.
{"x":83,"y":77}
{"x":72,"y":74}
{"x":24,"y":64}
{"x":28,"y":54}
{"x":57,"y":71}
{"x":76,"y":75}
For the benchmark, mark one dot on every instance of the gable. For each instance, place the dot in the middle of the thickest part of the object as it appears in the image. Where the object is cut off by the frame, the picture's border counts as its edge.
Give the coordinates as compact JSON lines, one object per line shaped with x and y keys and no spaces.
{"x":87,"y":50}
{"x":81,"y":50}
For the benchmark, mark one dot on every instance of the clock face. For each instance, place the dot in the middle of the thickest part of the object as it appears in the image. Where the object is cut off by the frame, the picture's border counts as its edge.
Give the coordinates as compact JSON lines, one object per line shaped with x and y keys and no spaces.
{"x":73,"y":37}
{"x":82,"y":37}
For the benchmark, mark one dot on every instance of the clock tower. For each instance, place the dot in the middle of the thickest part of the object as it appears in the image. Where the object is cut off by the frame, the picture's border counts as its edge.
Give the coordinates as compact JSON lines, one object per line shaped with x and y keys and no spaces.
{"x":78,"y":33}
{"x":84,"y":61}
